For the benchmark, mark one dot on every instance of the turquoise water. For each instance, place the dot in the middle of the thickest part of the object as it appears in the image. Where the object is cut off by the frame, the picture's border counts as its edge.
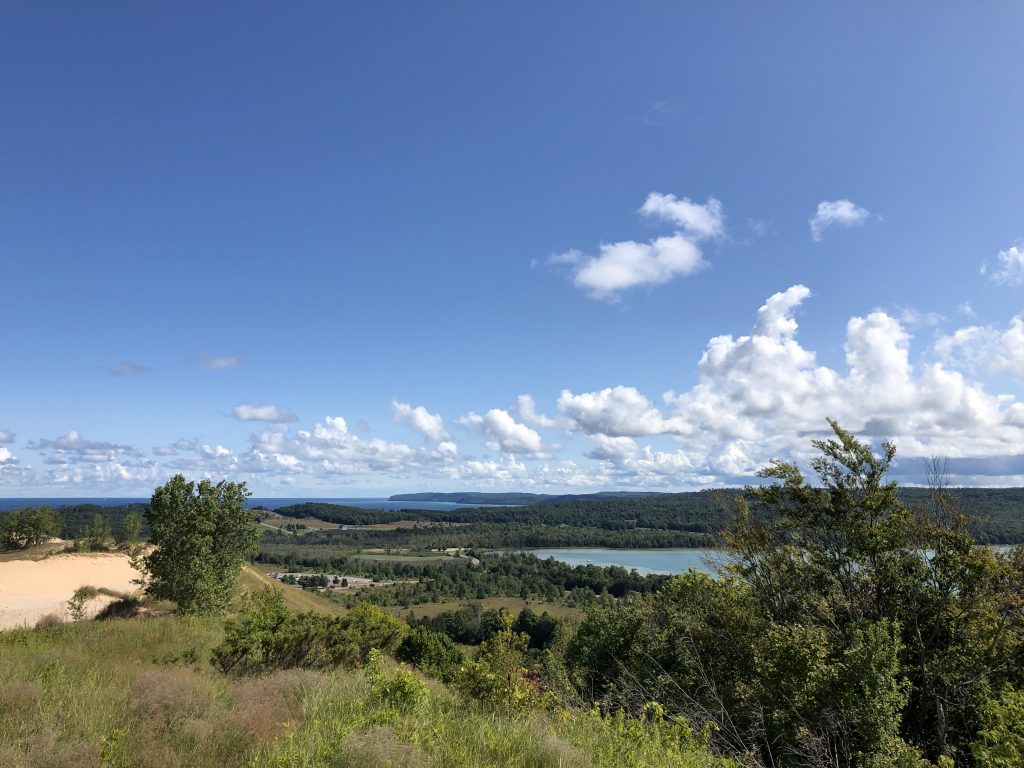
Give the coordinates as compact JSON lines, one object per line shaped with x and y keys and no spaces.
{"x":648,"y":561}
{"x":644,"y":560}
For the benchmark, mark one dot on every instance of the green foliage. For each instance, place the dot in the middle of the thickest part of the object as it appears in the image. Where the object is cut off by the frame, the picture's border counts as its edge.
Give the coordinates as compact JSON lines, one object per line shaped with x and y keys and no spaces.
{"x":202,"y":533}
{"x":96,"y":535}
{"x":128,"y":693}
{"x":432,"y":652}
{"x":497,"y":675}
{"x":266,"y":636}
{"x":28,"y":527}
{"x":1000,"y":741}
{"x":129,"y":531}
{"x":77,"y":517}
{"x":76,"y":604}
{"x":849,"y":630}
{"x":398,"y":688}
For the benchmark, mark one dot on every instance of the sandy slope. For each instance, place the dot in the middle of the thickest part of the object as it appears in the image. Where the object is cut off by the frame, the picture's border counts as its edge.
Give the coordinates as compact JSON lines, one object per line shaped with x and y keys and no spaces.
{"x":30,"y":589}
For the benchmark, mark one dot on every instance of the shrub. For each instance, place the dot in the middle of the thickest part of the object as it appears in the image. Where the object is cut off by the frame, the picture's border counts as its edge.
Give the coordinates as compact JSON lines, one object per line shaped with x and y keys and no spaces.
{"x":49,"y":621}
{"x":125,"y":608}
{"x":431,"y":652}
{"x":266,"y":636}
{"x":76,"y":604}
{"x":400,"y":688}
{"x":496,"y":675}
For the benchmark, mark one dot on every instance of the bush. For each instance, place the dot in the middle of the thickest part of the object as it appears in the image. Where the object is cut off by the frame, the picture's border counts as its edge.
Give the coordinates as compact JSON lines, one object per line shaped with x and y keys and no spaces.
{"x":431,"y":652}
{"x":125,"y":608}
{"x":49,"y":621}
{"x":266,"y":636}
{"x":496,"y":675}
{"x":399,"y":689}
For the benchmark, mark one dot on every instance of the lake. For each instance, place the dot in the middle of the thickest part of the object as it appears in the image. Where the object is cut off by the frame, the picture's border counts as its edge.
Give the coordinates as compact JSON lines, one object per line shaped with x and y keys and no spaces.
{"x":645,"y":561}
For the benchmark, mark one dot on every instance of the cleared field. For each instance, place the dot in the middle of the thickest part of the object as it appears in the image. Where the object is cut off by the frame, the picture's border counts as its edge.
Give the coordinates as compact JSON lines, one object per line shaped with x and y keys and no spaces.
{"x":426,"y":557}
{"x":33,"y":588}
{"x":278,"y":522}
{"x":398,"y":524}
{"x":512,"y":604}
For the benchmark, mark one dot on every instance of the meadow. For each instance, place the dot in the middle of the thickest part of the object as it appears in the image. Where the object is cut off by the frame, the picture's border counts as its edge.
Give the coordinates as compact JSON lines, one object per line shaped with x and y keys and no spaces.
{"x":142,"y":693}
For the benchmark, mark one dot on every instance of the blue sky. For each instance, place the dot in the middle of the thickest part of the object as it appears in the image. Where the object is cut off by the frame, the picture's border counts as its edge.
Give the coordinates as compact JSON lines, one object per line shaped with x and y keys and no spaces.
{"x":326,"y":247}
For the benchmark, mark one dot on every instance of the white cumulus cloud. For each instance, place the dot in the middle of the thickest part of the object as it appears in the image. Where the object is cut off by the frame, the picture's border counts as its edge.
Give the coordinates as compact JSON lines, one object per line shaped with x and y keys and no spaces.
{"x":836,"y":213}
{"x":526,"y":408}
{"x":982,"y":349}
{"x":420,"y":419}
{"x":627,"y":264}
{"x":701,"y":221}
{"x":504,"y":434}
{"x":619,"y":412}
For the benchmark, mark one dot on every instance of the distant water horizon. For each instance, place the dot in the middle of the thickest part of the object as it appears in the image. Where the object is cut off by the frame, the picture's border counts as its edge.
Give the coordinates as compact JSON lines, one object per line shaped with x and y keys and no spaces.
{"x":369,"y":502}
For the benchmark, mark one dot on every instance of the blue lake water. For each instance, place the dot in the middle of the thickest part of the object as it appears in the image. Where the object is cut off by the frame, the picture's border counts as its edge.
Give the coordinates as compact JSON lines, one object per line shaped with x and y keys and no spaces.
{"x":645,"y":561}
{"x":368,"y":503}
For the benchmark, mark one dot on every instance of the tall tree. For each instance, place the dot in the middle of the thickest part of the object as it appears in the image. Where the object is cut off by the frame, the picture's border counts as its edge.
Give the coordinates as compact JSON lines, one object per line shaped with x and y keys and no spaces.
{"x":202,"y":533}
{"x":128,"y":533}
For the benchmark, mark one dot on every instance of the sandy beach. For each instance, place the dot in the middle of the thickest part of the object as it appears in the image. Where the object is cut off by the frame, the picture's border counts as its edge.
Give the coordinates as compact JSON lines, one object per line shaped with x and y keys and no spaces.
{"x":31,"y":589}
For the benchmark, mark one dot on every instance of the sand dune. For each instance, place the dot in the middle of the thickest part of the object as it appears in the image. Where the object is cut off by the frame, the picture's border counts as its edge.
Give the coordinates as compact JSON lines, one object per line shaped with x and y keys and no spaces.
{"x":31,"y":589}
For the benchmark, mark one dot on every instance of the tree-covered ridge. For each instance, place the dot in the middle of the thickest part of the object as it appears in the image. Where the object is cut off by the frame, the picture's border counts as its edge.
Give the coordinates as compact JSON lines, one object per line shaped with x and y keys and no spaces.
{"x":475,"y":497}
{"x":698,"y":512}
{"x":998,"y":514}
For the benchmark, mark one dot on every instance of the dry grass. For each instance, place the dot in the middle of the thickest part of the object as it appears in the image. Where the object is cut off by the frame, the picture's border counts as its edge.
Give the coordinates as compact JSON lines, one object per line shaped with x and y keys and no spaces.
{"x":251,"y":580}
{"x":141,"y":693}
{"x":379,"y":746}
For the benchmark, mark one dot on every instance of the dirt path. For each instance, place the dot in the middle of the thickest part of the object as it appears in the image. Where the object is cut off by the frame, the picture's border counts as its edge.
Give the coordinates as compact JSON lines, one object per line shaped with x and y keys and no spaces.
{"x":31,"y":589}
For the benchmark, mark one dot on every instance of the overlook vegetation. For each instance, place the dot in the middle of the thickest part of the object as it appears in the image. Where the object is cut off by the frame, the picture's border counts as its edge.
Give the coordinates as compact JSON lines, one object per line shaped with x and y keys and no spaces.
{"x":854,"y":624}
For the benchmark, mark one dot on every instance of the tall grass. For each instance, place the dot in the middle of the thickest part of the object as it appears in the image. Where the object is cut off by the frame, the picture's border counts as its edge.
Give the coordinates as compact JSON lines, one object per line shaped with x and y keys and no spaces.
{"x":141,"y":693}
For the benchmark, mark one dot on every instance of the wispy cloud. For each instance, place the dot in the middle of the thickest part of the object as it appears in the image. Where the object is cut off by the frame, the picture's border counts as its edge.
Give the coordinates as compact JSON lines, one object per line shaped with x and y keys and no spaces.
{"x":836,"y":213}
{"x":657,"y":112}
{"x":267,"y":412}
{"x":129,"y":368}
{"x":1008,"y":269}
{"x":224,"y":363}
{"x":6,"y":437}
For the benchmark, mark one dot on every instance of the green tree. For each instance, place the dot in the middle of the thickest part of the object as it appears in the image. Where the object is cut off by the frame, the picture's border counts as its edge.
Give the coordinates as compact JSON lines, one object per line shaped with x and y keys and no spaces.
{"x":848,"y":628}
{"x":97,"y":534}
{"x":202,"y":533}
{"x":432,"y":652}
{"x":128,"y":534}
{"x":29,"y":527}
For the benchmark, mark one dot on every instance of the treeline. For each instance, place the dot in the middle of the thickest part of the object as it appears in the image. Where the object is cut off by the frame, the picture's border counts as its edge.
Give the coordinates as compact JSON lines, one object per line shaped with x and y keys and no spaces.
{"x":698,"y":512}
{"x":513,"y":575}
{"x":487,"y":536}
{"x":468,"y":497}
{"x":997,"y":514}
{"x":89,"y":525}
{"x":473,"y":624}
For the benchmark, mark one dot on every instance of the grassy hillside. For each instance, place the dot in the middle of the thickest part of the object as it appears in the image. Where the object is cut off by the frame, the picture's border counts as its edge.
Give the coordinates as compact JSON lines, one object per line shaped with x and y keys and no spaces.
{"x":141,"y":692}
{"x":251,"y":580}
